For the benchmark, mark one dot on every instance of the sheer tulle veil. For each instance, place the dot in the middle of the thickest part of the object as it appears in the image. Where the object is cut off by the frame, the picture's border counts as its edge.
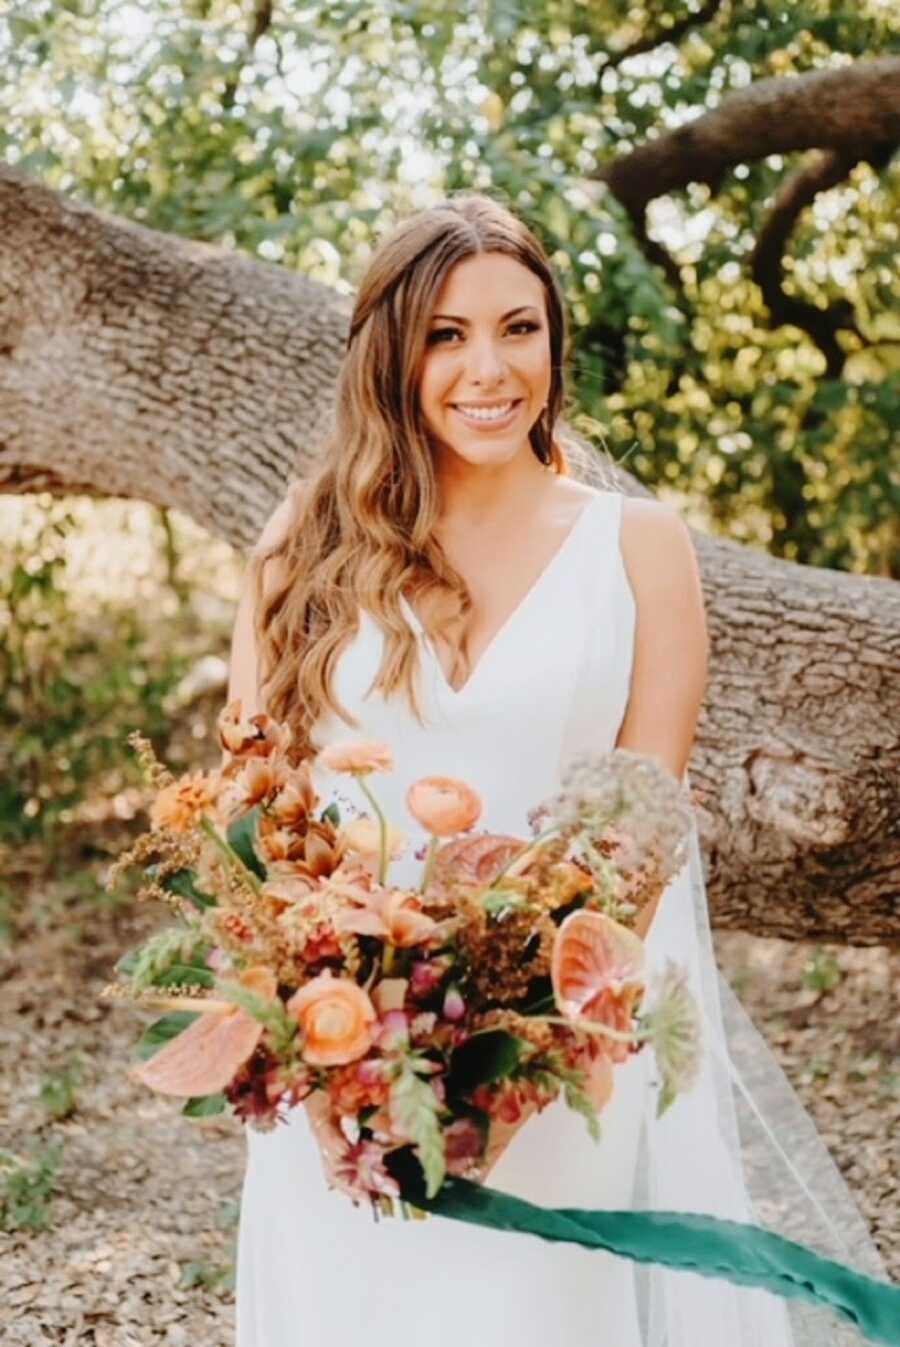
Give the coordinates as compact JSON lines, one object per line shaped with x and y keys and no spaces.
{"x":739,"y":1145}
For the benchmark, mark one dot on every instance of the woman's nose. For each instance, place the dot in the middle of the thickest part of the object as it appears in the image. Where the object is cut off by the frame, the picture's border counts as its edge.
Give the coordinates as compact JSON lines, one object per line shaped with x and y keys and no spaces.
{"x":485,"y":360}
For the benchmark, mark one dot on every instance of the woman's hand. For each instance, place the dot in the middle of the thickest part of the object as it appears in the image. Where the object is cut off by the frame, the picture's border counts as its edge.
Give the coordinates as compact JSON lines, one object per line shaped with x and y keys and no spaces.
{"x":330,"y":1139}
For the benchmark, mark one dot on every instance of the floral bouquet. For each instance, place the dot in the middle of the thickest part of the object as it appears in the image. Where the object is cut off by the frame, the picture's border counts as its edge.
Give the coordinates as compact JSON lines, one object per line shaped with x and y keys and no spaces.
{"x":416,"y":1023}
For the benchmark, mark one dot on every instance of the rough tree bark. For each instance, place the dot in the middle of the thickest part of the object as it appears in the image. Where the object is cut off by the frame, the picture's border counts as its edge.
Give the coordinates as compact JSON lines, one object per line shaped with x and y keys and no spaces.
{"x":140,"y":365}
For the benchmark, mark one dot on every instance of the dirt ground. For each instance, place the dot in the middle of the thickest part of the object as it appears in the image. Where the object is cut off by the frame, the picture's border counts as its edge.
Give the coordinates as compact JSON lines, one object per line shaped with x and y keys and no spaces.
{"x":140,"y":1243}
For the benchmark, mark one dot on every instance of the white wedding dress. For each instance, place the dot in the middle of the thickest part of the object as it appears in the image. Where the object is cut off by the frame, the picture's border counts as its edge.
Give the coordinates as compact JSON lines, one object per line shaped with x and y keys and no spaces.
{"x":315,"y":1271}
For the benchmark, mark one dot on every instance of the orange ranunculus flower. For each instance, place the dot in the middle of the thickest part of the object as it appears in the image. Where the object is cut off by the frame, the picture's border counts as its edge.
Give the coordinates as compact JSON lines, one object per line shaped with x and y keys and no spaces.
{"x":181,"y":805}
{"x":206,"y":1055}
{"x":256,"y":736}
{"x":362,"y":836}
{"x":357,"y":755}
{"x":443,"y":805}
{"x":336,"y":1019}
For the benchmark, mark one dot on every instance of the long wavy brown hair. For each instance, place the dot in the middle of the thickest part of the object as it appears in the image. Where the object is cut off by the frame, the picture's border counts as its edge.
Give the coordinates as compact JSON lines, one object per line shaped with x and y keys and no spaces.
{"x":361,"y":524}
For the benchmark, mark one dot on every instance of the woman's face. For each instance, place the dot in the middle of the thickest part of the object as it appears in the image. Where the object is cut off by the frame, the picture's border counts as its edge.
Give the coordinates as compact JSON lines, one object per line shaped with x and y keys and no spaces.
{"x":486,"y":372}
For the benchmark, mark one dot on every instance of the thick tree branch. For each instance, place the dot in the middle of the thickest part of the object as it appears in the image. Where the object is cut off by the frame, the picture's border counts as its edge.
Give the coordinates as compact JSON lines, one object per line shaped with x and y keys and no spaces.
{"x":822,"y":171}
{"x":260,"y":23}
{"x":135,"y":364}
{"x":852,"y":114}
{"x":853,"y":109}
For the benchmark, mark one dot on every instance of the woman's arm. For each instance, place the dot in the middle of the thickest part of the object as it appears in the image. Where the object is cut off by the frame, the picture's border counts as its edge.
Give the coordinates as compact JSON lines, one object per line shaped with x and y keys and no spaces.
{"x":671,"y":645}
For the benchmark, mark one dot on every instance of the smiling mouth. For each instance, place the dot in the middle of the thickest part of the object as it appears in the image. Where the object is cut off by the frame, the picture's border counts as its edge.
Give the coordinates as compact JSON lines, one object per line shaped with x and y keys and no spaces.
{"x":488,"y":416}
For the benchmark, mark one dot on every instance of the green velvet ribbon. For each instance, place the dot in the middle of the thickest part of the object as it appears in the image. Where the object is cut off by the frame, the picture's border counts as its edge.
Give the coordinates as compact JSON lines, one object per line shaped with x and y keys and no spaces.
{"x":745,"y":1254}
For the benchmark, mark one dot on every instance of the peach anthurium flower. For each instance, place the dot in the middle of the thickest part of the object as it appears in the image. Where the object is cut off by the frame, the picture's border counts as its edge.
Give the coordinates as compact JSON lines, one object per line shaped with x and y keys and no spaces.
{"x":203,"y":1059}
{"x":360,"y":756}
{"x":336,"y":1018}
{"x":597,"y":971}
{"x":472,"y":860}
{"x":393,"y":914}
{"x":181,"y":805}
{"x":443,"y":805}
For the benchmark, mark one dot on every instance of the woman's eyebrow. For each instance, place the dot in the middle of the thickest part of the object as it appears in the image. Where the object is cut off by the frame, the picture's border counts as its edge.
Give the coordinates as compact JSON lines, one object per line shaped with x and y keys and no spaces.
{"x":454,"y":319}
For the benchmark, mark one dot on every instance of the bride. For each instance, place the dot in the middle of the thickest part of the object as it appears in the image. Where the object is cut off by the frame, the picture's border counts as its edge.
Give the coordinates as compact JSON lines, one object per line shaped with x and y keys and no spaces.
{"x":443,"y":584}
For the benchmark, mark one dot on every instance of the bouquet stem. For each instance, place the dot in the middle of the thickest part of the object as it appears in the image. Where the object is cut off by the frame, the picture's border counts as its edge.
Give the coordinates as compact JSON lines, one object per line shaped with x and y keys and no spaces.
{"x":382,"y":827}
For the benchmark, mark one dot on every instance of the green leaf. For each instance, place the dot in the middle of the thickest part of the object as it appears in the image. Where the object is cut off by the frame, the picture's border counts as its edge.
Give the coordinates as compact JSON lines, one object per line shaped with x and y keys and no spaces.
{"x":482,"y":1059}
{"x":181,"y":882}
{"x":241,"y":839}
{"x":204,"y":1106}
{"x":580,"y":1102}
{"x":498,"y":901}
{"x":331,"y":815}
{"x":161,"y":1032}
{"x":414,"y":1109}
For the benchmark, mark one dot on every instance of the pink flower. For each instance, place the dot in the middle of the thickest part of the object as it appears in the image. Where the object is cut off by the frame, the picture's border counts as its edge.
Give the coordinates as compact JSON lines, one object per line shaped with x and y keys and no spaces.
{"x":425,"y":977}
{"x":361,"y":1169}
{"x":393,"y":1031}
{"x":443,"y":805}
{"x":465,"y":1146}
{"x":454,"y":1006}
{"x":359,"y":756}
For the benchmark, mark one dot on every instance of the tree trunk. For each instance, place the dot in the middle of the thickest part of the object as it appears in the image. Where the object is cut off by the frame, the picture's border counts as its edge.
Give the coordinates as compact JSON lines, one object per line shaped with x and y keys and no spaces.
{"x":139,"y":365}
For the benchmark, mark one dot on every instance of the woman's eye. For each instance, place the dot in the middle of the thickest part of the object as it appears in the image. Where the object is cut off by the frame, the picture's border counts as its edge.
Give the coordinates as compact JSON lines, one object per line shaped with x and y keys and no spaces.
{"x":439,"y":333}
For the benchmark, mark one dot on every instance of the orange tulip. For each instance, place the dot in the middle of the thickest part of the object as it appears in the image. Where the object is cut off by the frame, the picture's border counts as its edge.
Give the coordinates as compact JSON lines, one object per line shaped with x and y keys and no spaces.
{"x":443,"y":805}
{"x":336,"y":1019}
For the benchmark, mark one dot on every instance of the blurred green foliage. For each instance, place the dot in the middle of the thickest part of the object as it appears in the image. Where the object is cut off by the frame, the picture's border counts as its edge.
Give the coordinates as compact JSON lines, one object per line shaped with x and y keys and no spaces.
{"x":58,"y":1094}
{"x":73,"y":681}
{"x":98,"y":639}
{"x":298,"y":131}
{"x":27,"y":1188}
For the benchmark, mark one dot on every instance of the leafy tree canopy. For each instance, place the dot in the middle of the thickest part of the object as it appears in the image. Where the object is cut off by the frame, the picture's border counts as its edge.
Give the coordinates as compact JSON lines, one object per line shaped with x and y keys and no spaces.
{"x":299,"y":132}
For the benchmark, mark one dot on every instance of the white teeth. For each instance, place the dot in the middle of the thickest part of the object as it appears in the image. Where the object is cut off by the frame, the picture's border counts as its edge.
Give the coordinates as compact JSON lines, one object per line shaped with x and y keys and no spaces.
{"x":483,"y":414}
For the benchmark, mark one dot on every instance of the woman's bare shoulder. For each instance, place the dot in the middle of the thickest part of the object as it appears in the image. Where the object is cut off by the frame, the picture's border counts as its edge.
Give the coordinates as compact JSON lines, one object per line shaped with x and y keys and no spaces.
{"x":653,"y":531}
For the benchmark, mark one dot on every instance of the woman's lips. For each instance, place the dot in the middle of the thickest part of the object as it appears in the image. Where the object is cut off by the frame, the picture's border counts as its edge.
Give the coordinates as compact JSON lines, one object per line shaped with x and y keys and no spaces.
{"x":493,"y":423}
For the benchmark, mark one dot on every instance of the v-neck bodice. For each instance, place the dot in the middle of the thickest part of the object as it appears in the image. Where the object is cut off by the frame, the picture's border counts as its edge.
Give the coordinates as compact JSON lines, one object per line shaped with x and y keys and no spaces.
{"x":531,"y":595}
{"x":553,"y":681}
